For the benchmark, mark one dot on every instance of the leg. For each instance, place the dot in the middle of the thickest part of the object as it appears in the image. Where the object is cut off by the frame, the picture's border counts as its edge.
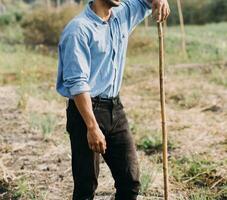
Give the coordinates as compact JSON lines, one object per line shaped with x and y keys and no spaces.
{"x":122,"y":159}
{"x":85,"y":162}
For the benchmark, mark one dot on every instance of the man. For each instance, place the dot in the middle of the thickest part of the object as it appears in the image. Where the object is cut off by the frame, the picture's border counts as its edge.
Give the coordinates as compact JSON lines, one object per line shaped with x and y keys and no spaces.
{"x":92,"y":53}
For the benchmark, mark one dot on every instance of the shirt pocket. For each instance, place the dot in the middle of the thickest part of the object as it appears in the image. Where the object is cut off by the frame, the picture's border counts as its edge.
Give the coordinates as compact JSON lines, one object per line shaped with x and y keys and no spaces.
{"x":122,"y":37}
{"x":101,"y":45}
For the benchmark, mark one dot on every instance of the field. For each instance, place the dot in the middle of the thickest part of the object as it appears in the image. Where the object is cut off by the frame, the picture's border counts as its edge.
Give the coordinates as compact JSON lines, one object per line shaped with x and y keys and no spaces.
{"x":35,"y":149}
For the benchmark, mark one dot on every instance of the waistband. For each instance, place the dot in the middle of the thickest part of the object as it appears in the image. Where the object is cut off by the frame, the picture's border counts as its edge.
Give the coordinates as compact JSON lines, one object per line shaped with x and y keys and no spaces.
{"x":111,"y":100}
{"x":100,"y":100}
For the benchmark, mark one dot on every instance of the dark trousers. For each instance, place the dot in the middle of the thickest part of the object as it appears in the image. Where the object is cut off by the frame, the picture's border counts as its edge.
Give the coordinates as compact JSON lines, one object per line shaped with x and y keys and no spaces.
{"x":120,"y":154}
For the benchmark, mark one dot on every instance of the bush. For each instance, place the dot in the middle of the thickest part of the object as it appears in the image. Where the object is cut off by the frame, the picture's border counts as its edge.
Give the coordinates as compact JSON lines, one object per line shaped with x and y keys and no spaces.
{"x":199,"y":12}
{"x":45,"y":27}
{"x":10,"y":17}
{"x":13,"y":12}
{"x":6,"y":19}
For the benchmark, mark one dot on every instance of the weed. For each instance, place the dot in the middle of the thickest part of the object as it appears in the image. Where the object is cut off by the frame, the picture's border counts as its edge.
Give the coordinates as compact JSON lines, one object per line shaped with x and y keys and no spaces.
{"x":200,"y":195}
{"x":187,"y":99}
{"x":24,"y":190}
{"x":22,"y":103}
{"x":200,"y":173}
{"x":147,"y":177}
{"x":153,"y":144}
{"x":218,"y":76}
{"x":45,"y":123}
{"x":145,"y":182}
{"x":192,"y":170}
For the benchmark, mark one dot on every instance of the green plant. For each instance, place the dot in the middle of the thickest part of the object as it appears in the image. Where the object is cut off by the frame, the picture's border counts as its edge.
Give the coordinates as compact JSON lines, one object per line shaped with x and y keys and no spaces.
{"x":218,"y":76}
{"x":187,"y":100}
{"x":45,"y":123}
{"x":6,"y":19}
{"x":23,"y":190}
{"x":10,"y":18}
{"x":153,"y":144}
{"x":42,"y":27}
{"x":145,"y":180}
{"x":200,"y":195}
{"x":199,"y":12}
{"x":199,"y":176}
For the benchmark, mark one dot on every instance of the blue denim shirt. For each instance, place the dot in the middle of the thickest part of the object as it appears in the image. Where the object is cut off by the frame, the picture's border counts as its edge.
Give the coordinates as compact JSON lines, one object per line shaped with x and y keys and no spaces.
{"x":92,"y":52}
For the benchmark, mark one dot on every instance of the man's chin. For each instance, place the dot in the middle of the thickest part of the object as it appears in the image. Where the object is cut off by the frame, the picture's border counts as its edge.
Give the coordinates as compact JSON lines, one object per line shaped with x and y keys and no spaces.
{"x":113,"y":3}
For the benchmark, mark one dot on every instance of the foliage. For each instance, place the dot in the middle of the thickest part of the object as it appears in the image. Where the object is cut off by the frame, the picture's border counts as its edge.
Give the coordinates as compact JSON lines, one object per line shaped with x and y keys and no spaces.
{"x":145,"y":180}
{"x":199,"y":12}
{"x":203,"y":44}
{"x":201,"y":173}
{"x":153,"y":144}
{"x":187,"y":99}
{"x":13,"y":13}
{"x":23,"y":190}
{"x":10,"y":17}
{"x":45,"y":123}
{"x":42,"y":27}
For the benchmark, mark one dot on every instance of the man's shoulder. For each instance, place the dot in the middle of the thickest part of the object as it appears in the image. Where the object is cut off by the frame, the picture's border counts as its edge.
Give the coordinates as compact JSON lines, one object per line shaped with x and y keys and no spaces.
{"x":80,"y":22}
{"x":78,"y":25}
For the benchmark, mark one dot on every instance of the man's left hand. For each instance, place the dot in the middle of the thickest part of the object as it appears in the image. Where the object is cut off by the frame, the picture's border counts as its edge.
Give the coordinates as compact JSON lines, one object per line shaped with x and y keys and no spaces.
{"x":160,"y":10}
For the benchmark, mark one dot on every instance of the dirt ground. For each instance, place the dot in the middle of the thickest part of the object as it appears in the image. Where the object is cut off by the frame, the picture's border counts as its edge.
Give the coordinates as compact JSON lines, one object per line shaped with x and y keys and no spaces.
{"x":43,"y":164}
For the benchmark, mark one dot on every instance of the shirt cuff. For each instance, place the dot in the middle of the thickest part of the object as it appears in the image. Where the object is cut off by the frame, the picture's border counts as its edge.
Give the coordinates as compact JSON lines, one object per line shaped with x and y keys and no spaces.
{"x":79,"y":88}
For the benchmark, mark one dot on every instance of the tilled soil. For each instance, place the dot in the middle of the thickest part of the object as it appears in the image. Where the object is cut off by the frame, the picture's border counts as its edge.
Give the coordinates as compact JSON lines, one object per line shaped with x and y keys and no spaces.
{"x":43,"y":165}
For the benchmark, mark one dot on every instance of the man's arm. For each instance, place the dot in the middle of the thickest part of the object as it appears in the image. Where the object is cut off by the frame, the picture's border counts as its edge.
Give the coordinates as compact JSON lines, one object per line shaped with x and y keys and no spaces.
{"x":132,"y":12}
{"x":96,"y":139}
{"x":76,"y":60}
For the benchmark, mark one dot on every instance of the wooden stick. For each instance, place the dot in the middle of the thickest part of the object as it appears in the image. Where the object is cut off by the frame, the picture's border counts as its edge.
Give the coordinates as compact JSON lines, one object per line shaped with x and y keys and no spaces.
{"x":163,"y":114}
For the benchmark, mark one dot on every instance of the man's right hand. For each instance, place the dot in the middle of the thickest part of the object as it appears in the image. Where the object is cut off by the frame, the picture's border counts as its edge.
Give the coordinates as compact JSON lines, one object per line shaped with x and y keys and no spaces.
{"x":160,"y":10}
{"x":95,"y":137}
{"x":96,"y":140}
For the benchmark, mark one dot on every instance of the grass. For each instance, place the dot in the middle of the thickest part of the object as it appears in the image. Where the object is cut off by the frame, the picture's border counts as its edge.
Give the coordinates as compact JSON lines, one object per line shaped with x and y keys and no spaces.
{"x":45,"y":123}
{"x":204,"y":43}
{"x":33,"y":72}
{"x":41,"y":66}
{"x":199,"y":174}
{"x":186,"y":99}
{"x":20,"y":189}
{"x":218,"y":76}
{"x":23,"y":190}
{"x":153,"y":144}
{"x":145,"y":180}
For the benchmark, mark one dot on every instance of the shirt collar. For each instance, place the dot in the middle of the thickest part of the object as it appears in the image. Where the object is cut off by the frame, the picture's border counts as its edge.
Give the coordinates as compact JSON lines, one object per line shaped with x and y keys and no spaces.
{"x":92,"y":15}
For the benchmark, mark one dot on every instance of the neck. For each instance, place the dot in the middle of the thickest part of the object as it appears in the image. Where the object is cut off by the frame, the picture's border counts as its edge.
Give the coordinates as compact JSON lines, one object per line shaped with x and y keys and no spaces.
{"x":102,"y":9}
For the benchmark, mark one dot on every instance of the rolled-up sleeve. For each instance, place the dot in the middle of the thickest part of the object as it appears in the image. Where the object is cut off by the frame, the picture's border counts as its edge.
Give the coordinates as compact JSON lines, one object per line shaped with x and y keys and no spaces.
{"x":76,"y":61}
{"x":136,"y":11}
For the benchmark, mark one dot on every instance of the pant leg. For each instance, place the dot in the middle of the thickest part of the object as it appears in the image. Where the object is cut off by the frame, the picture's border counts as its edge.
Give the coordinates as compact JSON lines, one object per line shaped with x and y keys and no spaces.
{"x":121,"y":157}
{"x":85,"y":162}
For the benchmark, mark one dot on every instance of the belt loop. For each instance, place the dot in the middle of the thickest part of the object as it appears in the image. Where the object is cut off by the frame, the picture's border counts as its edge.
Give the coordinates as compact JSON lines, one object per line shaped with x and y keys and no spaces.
{"x":94,"y":103}
{"x":67,"y":103}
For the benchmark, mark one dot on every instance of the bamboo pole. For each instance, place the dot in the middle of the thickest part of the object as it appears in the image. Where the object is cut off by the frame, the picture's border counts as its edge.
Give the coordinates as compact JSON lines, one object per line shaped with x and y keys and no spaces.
{"x":183,"y":35}
{"x":163,"y":114}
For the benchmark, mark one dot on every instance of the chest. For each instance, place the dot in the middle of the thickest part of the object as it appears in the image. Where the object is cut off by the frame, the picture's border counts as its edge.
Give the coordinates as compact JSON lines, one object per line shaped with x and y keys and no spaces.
{"x":107,"y":37}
